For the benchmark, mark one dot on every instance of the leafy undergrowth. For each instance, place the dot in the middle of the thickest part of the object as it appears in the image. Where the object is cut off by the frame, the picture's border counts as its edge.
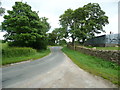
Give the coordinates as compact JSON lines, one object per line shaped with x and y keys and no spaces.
{"x":94,"y":65}
{"x":37,"y":55}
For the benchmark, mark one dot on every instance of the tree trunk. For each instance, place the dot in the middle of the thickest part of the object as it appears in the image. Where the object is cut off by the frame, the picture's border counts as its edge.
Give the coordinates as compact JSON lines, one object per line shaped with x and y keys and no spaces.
{"x":83,"y":40}
{"x":73,"y":40}
{"x":79,"y":41}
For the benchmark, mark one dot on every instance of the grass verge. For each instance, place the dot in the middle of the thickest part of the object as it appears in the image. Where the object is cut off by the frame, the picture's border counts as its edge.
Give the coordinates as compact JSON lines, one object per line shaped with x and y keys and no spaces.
{"x":94,"y":65}
{"x":39,"y":54}
{"x":105,"y":48}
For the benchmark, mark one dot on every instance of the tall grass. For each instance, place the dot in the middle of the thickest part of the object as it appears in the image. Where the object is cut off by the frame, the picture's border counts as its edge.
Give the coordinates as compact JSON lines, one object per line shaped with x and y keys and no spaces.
{"x":39,"y":54}
{"x":17,"y":51}
{"x":18,"y":54}
{"x":94,"y":65}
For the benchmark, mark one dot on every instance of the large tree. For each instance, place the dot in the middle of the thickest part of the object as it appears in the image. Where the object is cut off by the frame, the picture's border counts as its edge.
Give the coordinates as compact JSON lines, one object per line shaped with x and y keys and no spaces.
{"x":79,"y":17}
{"x":67,"y":22}
{"x":84,"y":22}
{"x":95,"y":19}
{"x":24,"y":27}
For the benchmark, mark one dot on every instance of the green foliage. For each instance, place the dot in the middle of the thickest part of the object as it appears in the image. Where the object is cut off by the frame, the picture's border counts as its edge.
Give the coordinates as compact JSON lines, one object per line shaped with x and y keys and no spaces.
{"x":84,"y":22}
{"x":0,"y":27}
{"x":4,"y":45}
{"x":62,"y":42}
{"x":96,"y":18}
{"x":17,"y":51}
{"x":18,"y":54}
{"x":24,"y":27}
{"x":2,"y":10}
{"x":67,"y":22}
{"x":37,"y":55}
{"x":52,"y":38}
{"x":57,"y":37}
{"x":94,"y":65}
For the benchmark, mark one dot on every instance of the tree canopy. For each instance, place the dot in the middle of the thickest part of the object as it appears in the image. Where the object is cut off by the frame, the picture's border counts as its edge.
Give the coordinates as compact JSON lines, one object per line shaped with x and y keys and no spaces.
{"x":84,"y":22}
{"x":57,"y":37}
{"x":25,"y":28}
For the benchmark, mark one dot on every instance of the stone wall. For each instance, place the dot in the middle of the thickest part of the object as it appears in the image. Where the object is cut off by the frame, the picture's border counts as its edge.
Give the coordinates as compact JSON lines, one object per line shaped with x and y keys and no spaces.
{"x":111,"y":55}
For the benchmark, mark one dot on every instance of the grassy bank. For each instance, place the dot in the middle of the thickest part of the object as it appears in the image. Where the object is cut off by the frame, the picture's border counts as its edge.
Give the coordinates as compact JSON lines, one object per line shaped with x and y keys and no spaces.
{"x":39,"y":54}
{"x":18,"y":54}
{"x":94,"y":65}
{"x":17,"y":51}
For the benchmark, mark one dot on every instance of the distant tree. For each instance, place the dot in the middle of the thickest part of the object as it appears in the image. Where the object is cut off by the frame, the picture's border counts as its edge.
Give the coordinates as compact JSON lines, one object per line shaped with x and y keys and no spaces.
{"x":59,"y":35}
{"x":62,"y":42}
{"x":0,"y":27}
{"x":2,"y":10}
{"x":25,"y":28}
{"x":52,"y":38}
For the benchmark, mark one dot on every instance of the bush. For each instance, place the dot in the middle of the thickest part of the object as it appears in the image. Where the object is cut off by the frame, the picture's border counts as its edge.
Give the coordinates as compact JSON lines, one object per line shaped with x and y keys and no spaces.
{"x":17,"y":51}
{"x":4,"y":45}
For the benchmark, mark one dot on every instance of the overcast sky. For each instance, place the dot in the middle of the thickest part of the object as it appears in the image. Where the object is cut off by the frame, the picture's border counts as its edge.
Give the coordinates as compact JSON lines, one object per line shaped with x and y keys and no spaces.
{"x":52,"y":9}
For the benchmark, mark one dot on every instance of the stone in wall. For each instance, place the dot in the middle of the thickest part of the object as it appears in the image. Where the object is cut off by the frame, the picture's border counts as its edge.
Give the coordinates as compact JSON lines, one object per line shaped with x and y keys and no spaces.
{"x":111,"y":55}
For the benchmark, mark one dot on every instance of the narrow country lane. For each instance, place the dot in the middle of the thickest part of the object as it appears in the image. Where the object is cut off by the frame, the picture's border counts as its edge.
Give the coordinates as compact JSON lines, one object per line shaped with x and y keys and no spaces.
{"x":53,"y":71}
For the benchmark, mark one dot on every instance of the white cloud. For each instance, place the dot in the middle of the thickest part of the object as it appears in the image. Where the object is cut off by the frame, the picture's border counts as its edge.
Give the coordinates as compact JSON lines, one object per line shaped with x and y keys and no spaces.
{"x":1,"y":35}
{"x":52,"y":19}
{"x":113,"y":25}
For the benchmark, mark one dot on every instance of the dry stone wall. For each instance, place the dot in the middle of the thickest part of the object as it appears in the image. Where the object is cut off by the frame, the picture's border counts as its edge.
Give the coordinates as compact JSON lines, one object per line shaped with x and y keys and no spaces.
{"x":111,"y":55}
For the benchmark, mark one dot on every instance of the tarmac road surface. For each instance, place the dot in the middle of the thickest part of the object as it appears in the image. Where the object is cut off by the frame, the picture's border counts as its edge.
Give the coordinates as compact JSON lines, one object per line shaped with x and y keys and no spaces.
{"x":53,"y":71}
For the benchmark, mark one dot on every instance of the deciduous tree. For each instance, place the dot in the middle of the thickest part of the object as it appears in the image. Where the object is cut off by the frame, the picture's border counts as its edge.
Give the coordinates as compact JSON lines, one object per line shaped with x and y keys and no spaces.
{"x":84,"y":22}
{"x":25,"y":28}
{"x":67,"y":22}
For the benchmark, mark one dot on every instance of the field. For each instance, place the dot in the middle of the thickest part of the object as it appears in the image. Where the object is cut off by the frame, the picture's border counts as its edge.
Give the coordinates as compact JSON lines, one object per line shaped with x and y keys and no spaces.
{"x":94,"y":65}
{"x":18,"y":54}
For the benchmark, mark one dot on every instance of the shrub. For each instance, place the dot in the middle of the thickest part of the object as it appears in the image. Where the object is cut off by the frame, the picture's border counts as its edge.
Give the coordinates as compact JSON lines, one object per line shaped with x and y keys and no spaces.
{"x":17,"y":51}
{"x":4,"y":45}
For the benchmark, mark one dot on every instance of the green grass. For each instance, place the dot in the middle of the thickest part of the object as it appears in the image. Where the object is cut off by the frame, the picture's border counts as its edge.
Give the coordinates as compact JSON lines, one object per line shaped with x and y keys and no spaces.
{"x":17,"y":51}
{"x":94,"y":65}
{"x":105,"y":48}
{"x":39,"y":54}
{"x":18,"y":54}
